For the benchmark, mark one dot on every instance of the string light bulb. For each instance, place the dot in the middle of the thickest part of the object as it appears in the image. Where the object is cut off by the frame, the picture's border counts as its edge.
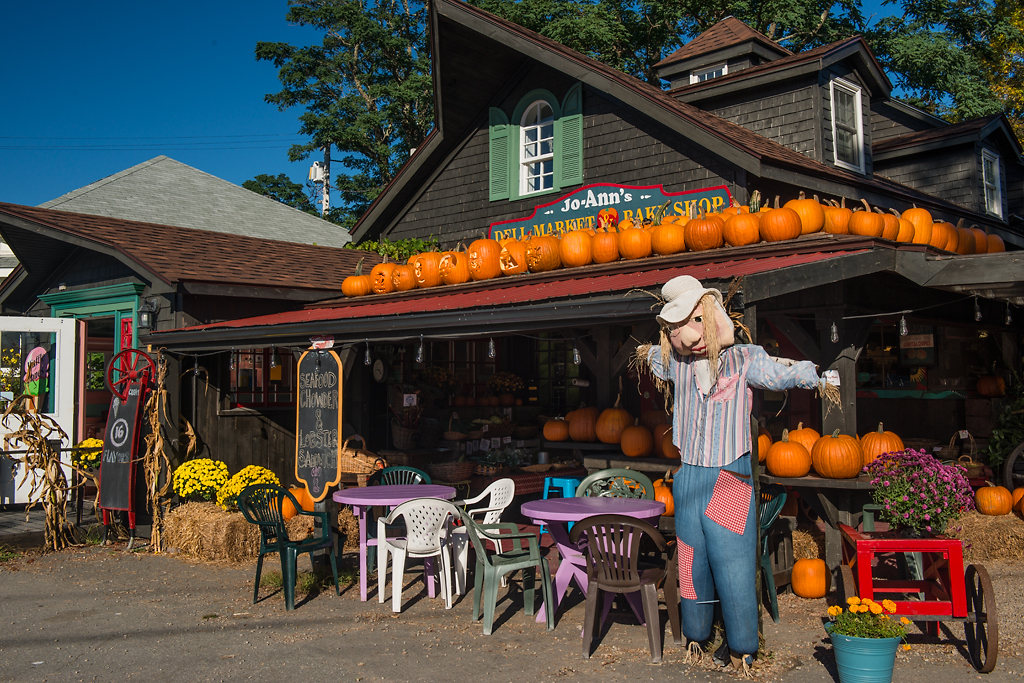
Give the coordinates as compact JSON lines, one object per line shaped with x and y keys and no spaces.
{"x":977,"y":310}
{"x":903,"y":326}
{"x":419,"y":351}
{"x":576,"y":360}
{"x":491,"y":352}
{"x":231,"y":361}
{"x":1009,"y":318}
{"x":366,"y":356}
{"x":835,"y":334}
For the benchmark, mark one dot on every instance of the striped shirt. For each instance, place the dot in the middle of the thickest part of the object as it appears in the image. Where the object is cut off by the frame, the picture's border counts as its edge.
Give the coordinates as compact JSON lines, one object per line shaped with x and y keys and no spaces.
{"x":714,"y":430}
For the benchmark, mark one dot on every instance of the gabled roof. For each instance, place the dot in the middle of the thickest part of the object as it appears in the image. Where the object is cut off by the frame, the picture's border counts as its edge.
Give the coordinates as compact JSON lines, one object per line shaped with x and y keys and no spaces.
{"x":167,"y":255}
{"x":956,"y":133}
{"x":169,"y":192}
{"x":726,"y":33}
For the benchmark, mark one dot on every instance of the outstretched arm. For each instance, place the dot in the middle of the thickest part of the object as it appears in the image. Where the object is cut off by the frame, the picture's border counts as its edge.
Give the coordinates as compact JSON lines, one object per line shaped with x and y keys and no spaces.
{"x":765,"y":373}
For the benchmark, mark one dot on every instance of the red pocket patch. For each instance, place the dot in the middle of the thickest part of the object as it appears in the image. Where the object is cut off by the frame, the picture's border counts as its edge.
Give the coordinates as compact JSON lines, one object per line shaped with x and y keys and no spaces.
{"x":730,"y":502}
{"x":686,"y":572}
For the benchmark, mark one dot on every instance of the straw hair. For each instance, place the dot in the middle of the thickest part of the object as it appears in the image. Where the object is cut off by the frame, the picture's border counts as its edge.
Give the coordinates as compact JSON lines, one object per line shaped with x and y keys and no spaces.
{"x":712,"y":346}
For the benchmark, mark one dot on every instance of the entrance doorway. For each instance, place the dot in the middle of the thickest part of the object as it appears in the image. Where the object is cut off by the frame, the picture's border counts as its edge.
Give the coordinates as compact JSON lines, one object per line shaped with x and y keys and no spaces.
{"x":100,"y":344}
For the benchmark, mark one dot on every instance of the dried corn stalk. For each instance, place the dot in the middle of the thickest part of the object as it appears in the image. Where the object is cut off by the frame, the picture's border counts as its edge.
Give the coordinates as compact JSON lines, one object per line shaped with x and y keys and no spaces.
{"x":32,"y":432}
{"x":155,"y":463}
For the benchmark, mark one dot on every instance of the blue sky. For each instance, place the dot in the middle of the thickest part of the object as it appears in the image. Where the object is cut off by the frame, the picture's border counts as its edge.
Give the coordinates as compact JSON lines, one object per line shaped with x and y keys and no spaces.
{"x":93,"y":88}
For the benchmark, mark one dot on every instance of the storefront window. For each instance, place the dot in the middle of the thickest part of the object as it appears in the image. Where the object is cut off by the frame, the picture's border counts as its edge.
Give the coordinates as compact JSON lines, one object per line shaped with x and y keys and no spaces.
{"x":262,"y":377}
{"x":27,"y":363}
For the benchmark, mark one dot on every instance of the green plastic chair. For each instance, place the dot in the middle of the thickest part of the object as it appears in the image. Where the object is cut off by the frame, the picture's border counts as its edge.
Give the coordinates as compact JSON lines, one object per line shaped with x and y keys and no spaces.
{"x":390,"y":476}
{"x":492,"y":567}
{"x":261,"y":504}
{"x":616,"y":483}
{"x":773,"y":497}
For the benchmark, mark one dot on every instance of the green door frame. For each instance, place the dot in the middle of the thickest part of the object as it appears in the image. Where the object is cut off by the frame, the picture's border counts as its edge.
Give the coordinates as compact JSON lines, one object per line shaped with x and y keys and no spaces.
{"x":120,"y":301}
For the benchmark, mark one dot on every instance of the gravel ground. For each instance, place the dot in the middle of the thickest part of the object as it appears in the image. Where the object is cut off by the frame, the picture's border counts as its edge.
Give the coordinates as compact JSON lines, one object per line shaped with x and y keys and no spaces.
{"x":104,"y":614}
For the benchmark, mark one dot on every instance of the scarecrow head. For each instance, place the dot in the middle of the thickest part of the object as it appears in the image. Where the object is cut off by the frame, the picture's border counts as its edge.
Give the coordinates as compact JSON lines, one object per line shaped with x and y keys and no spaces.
{"x":693,"y":319}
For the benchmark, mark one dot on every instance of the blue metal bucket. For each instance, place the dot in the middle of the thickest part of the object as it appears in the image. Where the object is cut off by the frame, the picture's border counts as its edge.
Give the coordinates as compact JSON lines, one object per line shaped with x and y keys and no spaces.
{"x":864,"y":660}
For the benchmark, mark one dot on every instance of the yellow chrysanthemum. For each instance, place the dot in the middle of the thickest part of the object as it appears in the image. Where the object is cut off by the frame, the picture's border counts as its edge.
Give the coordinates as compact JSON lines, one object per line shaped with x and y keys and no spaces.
{"x":853,"y":601}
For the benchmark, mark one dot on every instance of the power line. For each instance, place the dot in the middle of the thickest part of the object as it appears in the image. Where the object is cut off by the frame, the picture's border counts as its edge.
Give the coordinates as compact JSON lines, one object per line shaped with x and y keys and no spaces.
{"x":156,"y":137}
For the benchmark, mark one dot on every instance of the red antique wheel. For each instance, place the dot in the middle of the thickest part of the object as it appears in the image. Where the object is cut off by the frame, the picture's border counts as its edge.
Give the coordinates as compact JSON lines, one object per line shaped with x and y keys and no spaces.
{"x":131,"y":365}
{"x":982,"y":626}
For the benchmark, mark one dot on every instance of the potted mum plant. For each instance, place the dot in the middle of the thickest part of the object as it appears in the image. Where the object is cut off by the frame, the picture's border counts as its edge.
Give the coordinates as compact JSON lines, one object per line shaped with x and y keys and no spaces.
{"x":917,"y":493}
{"x":865,"y":638}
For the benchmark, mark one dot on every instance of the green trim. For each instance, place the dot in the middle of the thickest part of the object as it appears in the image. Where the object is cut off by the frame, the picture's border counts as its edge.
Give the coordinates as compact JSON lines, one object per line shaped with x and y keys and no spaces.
{"x":93,"y":294}
{"x":120,"y":301}
{"x":497,"y":137}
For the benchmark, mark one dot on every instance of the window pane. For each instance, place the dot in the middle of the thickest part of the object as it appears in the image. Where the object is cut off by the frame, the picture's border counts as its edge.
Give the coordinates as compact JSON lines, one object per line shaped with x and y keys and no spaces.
{"x":846,"y":147}
{"x":546,"y":147}
{"x":547,"y":132}
{"x":845,"y":109}
{"x":530,"y":134}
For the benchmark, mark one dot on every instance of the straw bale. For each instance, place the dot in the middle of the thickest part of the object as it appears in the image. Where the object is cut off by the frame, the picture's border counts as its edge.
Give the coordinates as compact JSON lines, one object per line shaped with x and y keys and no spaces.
{"x":808,"y":543}
{"x":988,"y":537}
{"x":349,"y":526}
{"x":206,"y":532}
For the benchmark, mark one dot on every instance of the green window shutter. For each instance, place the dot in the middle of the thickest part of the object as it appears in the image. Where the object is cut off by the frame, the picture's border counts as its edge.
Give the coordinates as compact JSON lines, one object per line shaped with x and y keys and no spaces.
{"x":498,"y":139}
{"x":571,"y":137}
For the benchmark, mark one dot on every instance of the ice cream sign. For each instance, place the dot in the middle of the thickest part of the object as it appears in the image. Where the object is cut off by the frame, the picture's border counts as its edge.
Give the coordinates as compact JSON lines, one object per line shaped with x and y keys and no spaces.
{"x":579,"y":210}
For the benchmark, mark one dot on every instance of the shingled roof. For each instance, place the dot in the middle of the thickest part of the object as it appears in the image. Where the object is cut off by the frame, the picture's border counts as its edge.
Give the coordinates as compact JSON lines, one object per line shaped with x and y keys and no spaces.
{"x":174,"y":254}
{"x":972,"y":130}
{"x":726,"y":33}
{"x":169,"y":192}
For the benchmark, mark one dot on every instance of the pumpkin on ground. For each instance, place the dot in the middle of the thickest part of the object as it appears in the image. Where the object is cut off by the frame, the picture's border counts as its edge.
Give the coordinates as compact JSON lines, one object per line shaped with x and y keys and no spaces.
{"x":993,"y":500}
{"x":380,"y":278}
{"x":812,"y":216}
{"x":788,"y":459}
{"x":358,"y":284}
{"x":879,"y":442}
{"x":556,"y":430}
{"x":837,"y":456}
{"x":811,"y":578}
{"x":805,"y":436}
{"x":612,"y":422}
{"x":484,"y":259}
{"x":583,"y":425}
{"x":663,"y":494}
{"x":637,"y":441}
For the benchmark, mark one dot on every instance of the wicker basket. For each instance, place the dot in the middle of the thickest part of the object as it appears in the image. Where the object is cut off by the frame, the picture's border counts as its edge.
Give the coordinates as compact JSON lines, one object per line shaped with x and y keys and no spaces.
{"x":504,"y":429}
{"x":451,"y":471}
{"x":526,"y":431}
{"x":534,"y":469}
{"x":491,"y":470}
{"x":404,"y":437}
{"x":452,"y":435}
{"x":359,"y":461}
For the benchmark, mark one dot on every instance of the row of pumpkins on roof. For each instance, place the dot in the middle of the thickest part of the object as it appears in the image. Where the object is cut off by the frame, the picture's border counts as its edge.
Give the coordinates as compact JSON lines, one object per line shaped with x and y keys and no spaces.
{"x":664,"y":235}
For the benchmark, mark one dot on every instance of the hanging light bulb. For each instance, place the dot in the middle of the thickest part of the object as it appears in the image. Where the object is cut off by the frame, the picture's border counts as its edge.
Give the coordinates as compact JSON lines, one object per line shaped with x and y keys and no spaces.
{"x":977,"y":310}
{"x":275,"y":357}
{"x":575,"y":355}
{"x":366,"y":356}
{"x":835,"y":334}
{"x":491,"y":352}
{"x":231,"y":362}
{"x":419,"y":351}
{"x":903,"y":326}
{"x":1009,"y":318}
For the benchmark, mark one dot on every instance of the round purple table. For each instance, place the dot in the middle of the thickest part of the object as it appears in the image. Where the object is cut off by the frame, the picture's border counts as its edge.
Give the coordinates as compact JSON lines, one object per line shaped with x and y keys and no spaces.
{"x":363,"y":498}
{"x":557,"y":512}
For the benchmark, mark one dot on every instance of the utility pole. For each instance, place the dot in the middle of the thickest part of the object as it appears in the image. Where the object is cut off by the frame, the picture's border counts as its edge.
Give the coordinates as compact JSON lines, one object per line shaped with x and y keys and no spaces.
{"x":327,"y":181}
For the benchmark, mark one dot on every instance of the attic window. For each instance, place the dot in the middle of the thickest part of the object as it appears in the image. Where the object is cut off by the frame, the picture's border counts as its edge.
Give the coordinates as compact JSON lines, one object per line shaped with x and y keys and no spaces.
{"x":537,"y":149}
{"x":847,"y":125}
{"x":707,"y":73}
{"x":993,"y":186}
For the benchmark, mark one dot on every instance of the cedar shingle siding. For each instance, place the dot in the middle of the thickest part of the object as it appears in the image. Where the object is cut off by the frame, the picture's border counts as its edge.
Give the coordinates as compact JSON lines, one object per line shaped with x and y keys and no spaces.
{"x":946,"y":174}
{"x":889,"y":122}
{"x":787,"y":118}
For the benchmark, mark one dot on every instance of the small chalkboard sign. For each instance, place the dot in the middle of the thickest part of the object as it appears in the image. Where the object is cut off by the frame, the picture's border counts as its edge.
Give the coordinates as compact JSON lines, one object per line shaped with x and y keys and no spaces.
{"x":318,"y":422}
{"x":117,"y":468}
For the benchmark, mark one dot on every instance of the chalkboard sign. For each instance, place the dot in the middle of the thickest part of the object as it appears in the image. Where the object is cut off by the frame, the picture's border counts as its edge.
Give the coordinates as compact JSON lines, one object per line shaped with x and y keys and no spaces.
{"x":318,"y":422}
{"x":119,"y":451}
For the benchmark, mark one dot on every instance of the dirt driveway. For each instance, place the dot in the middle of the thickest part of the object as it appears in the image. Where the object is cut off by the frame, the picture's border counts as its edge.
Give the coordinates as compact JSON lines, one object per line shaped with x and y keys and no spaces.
{"x":104,"y":614}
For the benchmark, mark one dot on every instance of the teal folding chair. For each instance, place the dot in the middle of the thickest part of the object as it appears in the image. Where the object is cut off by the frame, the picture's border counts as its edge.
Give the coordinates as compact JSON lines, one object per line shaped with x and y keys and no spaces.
{"x":773,"y":497}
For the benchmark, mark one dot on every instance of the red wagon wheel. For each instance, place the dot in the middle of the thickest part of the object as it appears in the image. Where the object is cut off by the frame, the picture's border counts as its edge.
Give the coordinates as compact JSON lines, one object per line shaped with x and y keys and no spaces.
{"x":982,"y":625}
{"x":131,"y":364}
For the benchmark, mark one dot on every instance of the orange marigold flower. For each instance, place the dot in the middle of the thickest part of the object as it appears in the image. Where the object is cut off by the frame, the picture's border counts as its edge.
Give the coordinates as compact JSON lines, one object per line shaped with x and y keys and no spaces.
{"x":906,"y":646}
{"x":853,"y":601}
{"x":875,"y":608}
{"x":904,"y":620}
{"x":889,"y":606}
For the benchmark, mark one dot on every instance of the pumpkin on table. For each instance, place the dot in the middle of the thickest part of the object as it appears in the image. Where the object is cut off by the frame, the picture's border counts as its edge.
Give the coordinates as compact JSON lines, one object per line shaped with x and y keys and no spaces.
{"x":787,"y":459}
{"x":663,"y":494}
{"x":764,"y":442}
{"x":837,"y":456}
{"x":637,"y":441}
{"x":556,"y":430}
{"x":993,"y":500}
{"x":879,"y":442}
{"x":805,"y":436}
{"x":612,"y":422}
{"x":583,"y":424}
{"x":811,"y":578}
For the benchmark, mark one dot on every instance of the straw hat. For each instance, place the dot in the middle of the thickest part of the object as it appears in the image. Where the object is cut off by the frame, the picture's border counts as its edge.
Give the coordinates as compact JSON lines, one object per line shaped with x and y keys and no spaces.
{"x":681,"y":296}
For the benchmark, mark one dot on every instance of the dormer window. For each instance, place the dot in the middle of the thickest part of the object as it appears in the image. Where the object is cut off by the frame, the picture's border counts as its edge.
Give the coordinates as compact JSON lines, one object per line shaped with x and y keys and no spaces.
{"x":847,"y":125}
{"x":993,"y":185}
{"x":707,"y":73}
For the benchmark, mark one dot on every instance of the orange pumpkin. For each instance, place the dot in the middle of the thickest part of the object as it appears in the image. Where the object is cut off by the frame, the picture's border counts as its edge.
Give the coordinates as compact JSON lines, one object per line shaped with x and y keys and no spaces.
{"x":995,"y":244}
{"x":426,"y":267}
{"x":980,"y":240}
{"x":764,"y":442}
{"x":922,"y":222}
{"x":612,"y":422}
{"x":866,"y":223}
{"x":742,"y":229}
{"x":403,"y":278}
{"x":1017,"y":495}
{"x":779,"y":224}
{"x":302,"y":497}
{"x":512,"y":259}
{"x":805,"y":436}
{"x":891,"y":228}
{"x":940,"y":234}
{"x":658,"y":432}
{"x":583,"y":424}
{"x":556,"y":430}
{"x":484,"y":259}
{"x":637,"y":441}
{"x":993,"y":500}
{"x":574,"y":249}
{"x":454,"y":268}
{"x":380,"y":278}
{"x":837,"y":456}
{"x":967,"y":243}
{"x":358,"y":284}
{"x":663,"y":494}
{"x":810,"y":578}
{"x":879,"y":442}
{"x":634,"y":243}
{"x":812,"y":215}
{"x":604,"y":247}
{"x":704,"y":233}
{"x":905,"y":233}
{"x":788,"y":459}
{"x":652,"y":418}
{"x":542,"y":253}
{"x":837,"y":219}
{"x":668,"y":238}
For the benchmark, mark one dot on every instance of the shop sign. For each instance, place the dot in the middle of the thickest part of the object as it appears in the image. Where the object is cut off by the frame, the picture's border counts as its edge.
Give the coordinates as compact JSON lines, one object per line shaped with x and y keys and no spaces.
{"x":579,"y":210}
{"x":917,"y":341}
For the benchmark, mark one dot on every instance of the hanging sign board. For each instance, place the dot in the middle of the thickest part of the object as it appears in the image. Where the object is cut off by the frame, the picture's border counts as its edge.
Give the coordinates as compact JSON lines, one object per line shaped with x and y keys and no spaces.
{"x":120,"y":446}
{"x":579,"y":210}
{"x":318,"y":422}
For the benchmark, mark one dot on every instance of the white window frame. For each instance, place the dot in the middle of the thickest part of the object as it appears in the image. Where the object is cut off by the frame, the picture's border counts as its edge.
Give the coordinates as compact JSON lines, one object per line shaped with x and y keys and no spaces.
{"x":854,"y":90}
{"x":995,"y":184}
{"x":695,"y":76}
{"x":524,"y":162}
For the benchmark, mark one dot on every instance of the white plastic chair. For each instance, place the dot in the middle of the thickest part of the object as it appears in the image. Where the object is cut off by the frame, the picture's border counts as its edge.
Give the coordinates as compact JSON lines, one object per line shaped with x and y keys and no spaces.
{"x":499,"y":494}
{"x":428,"y":523}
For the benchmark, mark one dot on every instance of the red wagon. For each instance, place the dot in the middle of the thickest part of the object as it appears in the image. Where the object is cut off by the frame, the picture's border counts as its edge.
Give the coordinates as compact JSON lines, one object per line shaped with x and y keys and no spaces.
{"x":945,"y":593}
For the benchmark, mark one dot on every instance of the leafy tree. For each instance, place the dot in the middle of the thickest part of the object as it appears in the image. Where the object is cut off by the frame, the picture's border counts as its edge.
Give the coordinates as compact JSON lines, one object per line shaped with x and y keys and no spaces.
{"x":366,"y":90}
{"x":1007,"y":73}
{"x":281,"y":188}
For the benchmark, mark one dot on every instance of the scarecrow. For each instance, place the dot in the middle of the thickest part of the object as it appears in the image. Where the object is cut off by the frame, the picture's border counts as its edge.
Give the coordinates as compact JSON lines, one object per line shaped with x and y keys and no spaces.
{"x":716,"y":526}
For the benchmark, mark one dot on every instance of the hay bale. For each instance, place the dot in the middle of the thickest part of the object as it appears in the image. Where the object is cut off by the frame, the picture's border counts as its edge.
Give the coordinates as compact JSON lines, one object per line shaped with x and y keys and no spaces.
{"x":986,"y":537}
{"x":205,"y":531}
{"x":808,"y":543}
{"x":349,"y":526}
